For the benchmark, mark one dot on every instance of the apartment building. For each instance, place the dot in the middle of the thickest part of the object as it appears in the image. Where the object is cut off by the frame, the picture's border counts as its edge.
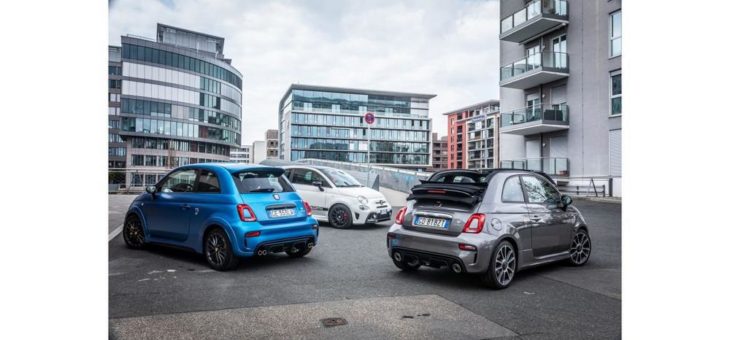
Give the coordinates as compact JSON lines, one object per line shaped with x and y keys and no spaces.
{"x":472,"y":136}
{"x":272,"y":143}
{"x":439,"y":152}
{"x":560,"y":90}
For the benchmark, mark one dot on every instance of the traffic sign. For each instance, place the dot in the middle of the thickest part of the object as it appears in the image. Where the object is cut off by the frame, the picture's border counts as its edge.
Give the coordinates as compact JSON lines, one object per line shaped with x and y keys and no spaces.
{"x":369,"y":118}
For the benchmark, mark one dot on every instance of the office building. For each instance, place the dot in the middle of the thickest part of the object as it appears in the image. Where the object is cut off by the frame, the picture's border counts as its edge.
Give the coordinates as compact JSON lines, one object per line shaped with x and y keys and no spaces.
{"x":180,"y":102}
{"x":272,"y":144}
{"x":472,"y":136}
{"x":241,"y":155}
{"x":439,"y":153}
{"x":259,"y":151}
{"x":325,"y":122}
{"x":560,"y":89}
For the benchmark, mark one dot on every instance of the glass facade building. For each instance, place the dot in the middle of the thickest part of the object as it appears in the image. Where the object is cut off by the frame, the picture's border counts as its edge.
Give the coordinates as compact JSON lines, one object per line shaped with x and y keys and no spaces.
{"x":328,"y":123}
{"x":176,"y":100}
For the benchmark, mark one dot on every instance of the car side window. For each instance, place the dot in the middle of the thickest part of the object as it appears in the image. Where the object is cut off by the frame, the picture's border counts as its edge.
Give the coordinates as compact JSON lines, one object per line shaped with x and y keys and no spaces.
{"x":297,"y":177}
{"x":208,"y":182}
{"x":512,"y":190}
{"x":539,"y":190}
{"x":307,"y":177}
{"x":179,"y":181}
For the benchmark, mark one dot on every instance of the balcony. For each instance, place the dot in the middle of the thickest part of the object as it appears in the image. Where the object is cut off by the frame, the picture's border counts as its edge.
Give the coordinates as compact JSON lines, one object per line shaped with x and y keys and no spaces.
{"x":536,"y":18}
{"x":550,"y":166}
{"x":533,"y":120}
{"x":533,"y":70}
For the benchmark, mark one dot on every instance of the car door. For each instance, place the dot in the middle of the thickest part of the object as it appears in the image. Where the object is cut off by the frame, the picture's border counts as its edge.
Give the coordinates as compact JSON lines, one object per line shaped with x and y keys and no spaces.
{"x":303,"y":180}
{"x":207,"y":200}
{"x":168,"y":213}
{"x":551,"y":227}
{"x":513,"y":211}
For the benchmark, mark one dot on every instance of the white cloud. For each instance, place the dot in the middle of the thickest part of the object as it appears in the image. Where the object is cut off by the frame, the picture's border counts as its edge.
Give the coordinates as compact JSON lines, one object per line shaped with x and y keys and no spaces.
{"x":447,"y":48}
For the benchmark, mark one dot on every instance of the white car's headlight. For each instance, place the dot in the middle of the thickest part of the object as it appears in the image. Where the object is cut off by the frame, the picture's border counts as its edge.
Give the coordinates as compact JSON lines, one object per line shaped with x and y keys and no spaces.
{"x":362,"y":200}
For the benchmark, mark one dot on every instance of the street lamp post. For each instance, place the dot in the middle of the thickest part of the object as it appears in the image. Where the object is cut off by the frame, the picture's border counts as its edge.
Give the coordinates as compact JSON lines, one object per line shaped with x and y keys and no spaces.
{"x":369,"y":119}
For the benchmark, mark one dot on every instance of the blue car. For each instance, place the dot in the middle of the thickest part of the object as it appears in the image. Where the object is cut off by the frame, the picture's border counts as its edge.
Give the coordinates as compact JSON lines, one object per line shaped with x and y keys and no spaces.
{"x":223,"y":211}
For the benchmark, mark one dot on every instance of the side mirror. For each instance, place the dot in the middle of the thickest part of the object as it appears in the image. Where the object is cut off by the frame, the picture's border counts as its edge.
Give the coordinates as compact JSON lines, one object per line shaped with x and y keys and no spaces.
{"x":566,"y":200}
{"x":151,"y":189}
{"x":318,"y":184}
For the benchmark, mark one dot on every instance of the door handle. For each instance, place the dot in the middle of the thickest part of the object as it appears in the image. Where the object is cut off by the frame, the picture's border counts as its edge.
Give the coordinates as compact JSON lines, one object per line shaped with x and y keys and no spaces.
{"x":185,"y":206}
{"x":535,"y":218}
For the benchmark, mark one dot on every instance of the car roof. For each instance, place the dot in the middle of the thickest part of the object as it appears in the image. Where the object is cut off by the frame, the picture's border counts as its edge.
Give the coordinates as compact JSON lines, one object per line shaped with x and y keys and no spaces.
{"x":316,"y":167}
{"x":231,"y":167}
{"x":492,"y":172}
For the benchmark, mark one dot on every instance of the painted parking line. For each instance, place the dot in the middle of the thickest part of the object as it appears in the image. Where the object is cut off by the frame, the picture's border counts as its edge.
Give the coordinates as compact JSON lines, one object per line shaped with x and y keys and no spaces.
{"x":115,"y":232}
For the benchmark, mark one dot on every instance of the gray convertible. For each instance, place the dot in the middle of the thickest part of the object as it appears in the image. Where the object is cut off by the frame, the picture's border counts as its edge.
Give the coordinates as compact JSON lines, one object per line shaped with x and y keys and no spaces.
{"x":492,"y":223}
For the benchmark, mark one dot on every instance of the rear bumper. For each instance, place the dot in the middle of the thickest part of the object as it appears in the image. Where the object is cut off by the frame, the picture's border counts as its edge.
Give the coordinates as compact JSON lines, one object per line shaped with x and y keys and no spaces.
{"x":439,"y":250}
{"x":273,"y":237}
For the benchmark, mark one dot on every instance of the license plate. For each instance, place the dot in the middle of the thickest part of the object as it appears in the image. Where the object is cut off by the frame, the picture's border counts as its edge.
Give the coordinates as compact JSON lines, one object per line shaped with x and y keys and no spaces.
{"x":431,"y":222}
{"x":281,"y":212}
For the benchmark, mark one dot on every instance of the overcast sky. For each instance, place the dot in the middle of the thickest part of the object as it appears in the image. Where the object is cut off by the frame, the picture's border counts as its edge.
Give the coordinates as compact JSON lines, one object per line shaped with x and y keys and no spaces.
{"x":445,"y":47}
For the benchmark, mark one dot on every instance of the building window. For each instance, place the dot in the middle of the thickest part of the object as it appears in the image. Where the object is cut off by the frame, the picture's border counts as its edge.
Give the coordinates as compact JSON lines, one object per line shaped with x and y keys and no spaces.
{"x":616,"y":93}
{"x":615,"y":34}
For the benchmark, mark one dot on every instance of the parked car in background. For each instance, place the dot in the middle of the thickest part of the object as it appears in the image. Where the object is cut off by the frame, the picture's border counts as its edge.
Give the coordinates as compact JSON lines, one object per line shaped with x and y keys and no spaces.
{"x":492,"y":223}
{"x":337,"y":197}
{"x":223,"y":211}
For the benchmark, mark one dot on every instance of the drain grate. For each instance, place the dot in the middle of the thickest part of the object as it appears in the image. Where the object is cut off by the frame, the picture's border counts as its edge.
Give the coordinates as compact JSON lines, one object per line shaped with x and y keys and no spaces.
{"x":332,"y":322}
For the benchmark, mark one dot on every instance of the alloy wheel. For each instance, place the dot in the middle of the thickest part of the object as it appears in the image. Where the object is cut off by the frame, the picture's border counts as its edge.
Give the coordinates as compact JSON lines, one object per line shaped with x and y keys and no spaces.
{"x":216,"y":250}
{"x":580,"y":248}
{"x":133,"y":233}
{"x":504,"y":265}
{"x":340,"y":217}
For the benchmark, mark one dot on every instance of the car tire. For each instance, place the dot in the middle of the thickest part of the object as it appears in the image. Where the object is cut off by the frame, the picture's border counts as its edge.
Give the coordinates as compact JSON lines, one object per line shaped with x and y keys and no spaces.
{"x":502,"y":266}
{"x":580,"y":248}
{"x":217,"y":250}
{"x":404,"y":265}
{"x":340,"y":216}
{"x":133,"y":232}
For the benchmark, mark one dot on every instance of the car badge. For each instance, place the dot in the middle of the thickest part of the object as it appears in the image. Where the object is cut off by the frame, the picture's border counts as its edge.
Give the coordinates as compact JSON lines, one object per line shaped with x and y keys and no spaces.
{"x":276,"y":196}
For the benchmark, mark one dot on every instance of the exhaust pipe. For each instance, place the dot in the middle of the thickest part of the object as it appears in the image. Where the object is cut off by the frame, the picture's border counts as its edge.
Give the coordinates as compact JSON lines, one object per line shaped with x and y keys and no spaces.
{"x":456,"y":268}
{"x":262,"y":252}
{"x":397,"y":256}
{"x":310,"y":245}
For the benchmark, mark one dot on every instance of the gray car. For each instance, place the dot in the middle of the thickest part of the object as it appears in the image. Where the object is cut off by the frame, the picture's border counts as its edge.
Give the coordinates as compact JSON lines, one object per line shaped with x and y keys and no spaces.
{"x":492,"y":223}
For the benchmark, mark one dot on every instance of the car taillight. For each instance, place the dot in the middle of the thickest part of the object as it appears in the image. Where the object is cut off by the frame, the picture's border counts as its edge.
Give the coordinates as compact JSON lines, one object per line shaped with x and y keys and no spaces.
{"x":474,"y":224}
{"x":246,"y":213}
{"x":400,"y":216}
{"x":308,"y":209}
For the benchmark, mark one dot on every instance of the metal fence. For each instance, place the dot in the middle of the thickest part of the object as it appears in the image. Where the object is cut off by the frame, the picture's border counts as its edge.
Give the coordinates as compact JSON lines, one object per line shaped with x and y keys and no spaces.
{"x":123,"y":180}
{"x":392,"y":178}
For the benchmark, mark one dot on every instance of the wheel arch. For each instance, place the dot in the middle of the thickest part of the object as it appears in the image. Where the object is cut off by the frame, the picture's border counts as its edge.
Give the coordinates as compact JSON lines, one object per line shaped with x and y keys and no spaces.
{"x":208,"y":227}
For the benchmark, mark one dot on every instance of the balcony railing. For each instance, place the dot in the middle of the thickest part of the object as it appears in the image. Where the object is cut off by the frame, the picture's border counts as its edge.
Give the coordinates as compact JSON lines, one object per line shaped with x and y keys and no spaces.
{"x":535,"y":119}
{"x":550,"y":166}
{"x":534,"y":69}
{"x":535,"y":18}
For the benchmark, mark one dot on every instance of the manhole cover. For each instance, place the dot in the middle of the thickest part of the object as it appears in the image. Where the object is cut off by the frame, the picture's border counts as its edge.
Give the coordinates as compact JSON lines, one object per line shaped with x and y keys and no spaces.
{"x":332,"y":322}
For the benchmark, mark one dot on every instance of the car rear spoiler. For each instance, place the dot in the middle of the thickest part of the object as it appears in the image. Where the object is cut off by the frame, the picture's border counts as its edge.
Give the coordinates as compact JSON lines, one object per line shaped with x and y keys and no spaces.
{"x":470,"y":194}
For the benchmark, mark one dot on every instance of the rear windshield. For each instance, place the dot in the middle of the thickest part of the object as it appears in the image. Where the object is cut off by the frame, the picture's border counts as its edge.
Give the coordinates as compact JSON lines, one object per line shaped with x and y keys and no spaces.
{"x":459,"y":177}
{"x":261,"y":181}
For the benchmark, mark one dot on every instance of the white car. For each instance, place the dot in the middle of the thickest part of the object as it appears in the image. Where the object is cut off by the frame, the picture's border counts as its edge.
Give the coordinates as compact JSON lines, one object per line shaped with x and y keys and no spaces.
{"x":338,"y":198}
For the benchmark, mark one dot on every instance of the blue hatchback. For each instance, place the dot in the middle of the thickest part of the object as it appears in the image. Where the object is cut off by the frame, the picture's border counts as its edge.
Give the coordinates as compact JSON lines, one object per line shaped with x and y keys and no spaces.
{"x":223,"y":211}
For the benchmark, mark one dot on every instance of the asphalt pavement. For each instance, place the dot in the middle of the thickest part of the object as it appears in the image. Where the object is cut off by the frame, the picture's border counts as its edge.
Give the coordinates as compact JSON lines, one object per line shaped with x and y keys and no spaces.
{"x":169,"y":293}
